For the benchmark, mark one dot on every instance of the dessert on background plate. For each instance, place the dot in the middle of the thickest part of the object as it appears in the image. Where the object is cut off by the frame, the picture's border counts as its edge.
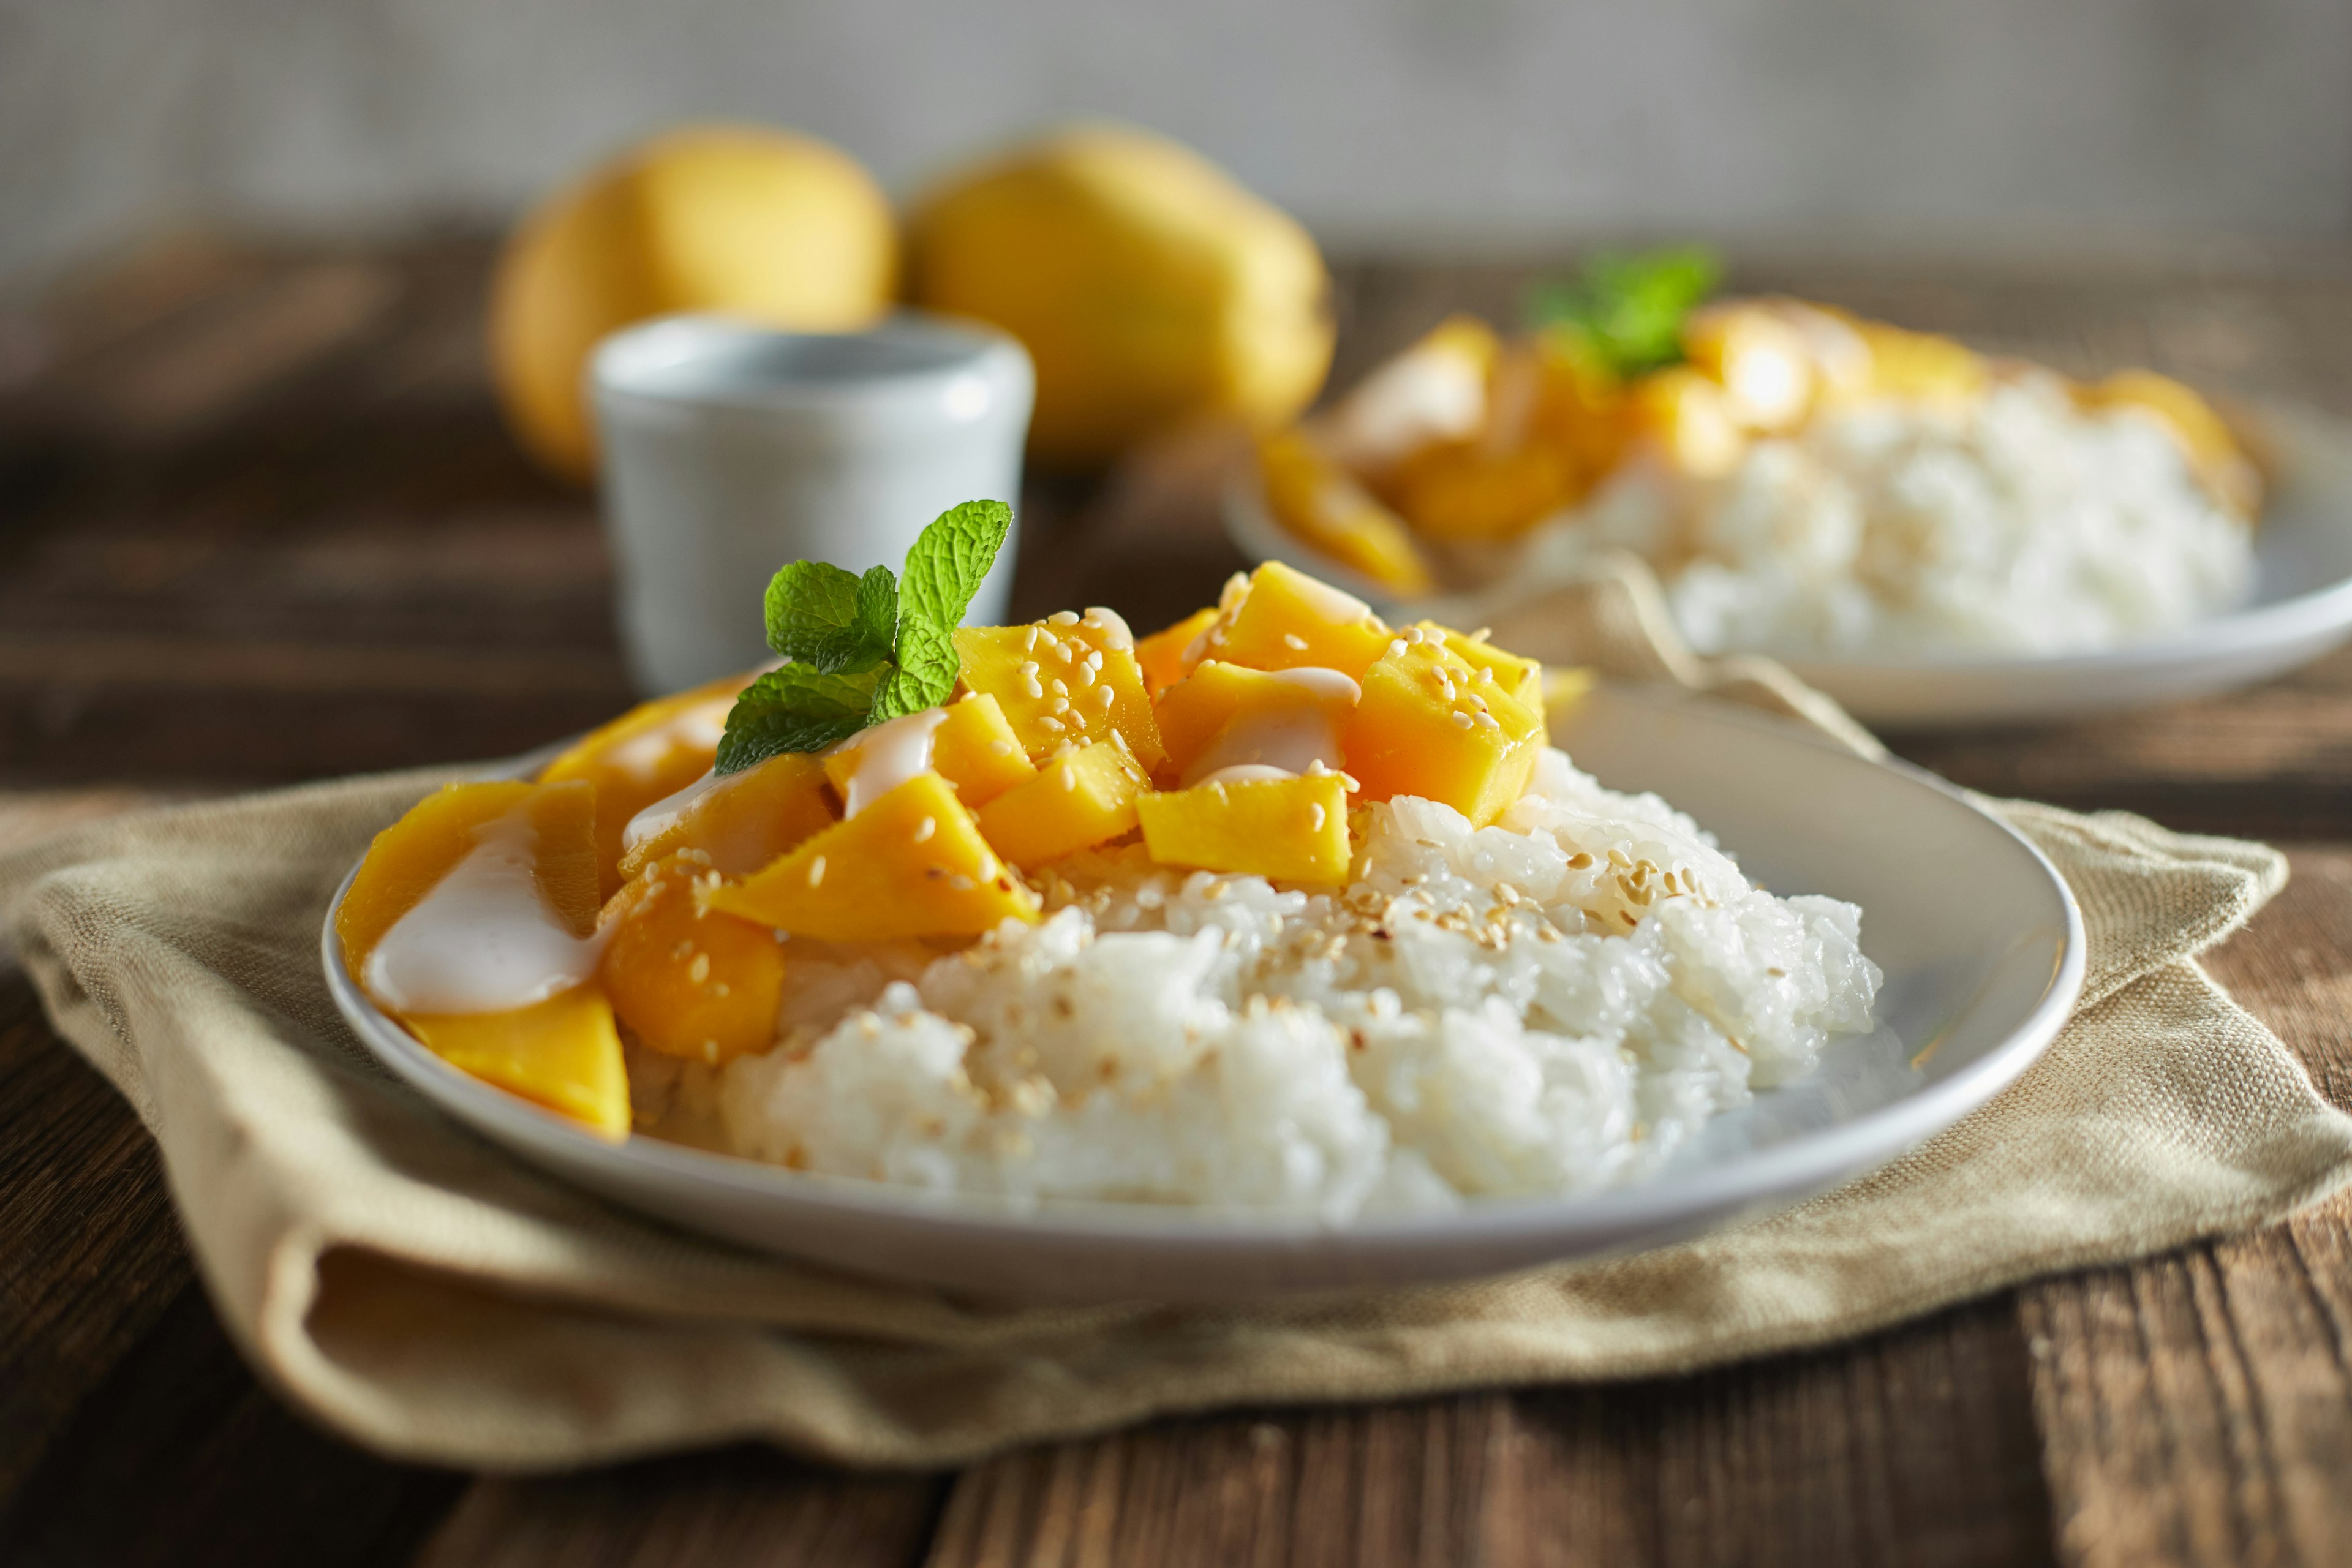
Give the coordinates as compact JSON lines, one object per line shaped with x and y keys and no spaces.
{"x":1282,"y":908}
{"x":1805,"y":482}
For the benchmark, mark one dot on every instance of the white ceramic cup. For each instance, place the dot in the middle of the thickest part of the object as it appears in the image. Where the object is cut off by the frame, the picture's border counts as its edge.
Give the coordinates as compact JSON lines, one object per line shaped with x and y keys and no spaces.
{"x":729,"y":449}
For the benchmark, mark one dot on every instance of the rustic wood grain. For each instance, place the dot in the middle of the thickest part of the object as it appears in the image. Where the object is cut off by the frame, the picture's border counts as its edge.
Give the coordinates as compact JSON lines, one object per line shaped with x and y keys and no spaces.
{"x":258,"y":521}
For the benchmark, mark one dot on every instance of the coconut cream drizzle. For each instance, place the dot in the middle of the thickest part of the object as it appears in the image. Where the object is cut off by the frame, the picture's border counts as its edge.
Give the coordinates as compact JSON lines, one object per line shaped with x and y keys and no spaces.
{"x":484,"y":939}
{"x":1283,"y":741}
{"x":887,"y":755}
{"x":668,"y":811}
{"x":700,"y":727}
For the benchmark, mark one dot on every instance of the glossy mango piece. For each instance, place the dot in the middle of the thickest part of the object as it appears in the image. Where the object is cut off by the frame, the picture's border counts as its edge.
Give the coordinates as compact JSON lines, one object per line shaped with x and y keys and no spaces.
{"x":1685,"y":416}
{"x":1060,"y":684}
{"x":2214,"y":457}
{"x":1289,"y":830}
{"x":1315,"y":498}
{"x":742,"y":820}
{"x":974,"y":747}
{"x":1161,"y":655}
{"x":1434,"y":390}
{"x":912,"y":864}
{"x":1078,"y":800}
{"x":408,"y":859}
{"x":1922,"y":368}
{"x":689,"y":980}
{"x":1427,"y":726}
{"x":1762,"y":360}
{"x":648,"y":753}
{"x":1522,"y":678}
{"x":562,"y":1053}
{"x":1288,"y":619}
{"x":1223,"y":714}
{"x":1467,"y":493}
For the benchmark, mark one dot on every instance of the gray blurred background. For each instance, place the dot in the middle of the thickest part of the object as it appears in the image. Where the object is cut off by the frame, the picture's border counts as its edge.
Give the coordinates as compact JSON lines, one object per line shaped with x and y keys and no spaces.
{"x":1393,"y":123}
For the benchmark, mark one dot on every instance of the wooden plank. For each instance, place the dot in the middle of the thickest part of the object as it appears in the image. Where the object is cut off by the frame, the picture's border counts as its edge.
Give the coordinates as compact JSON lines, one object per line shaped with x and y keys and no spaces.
{"x":1912,"y":1447}
{"x":743,"y":1508}
{"x":2198,"y":1408}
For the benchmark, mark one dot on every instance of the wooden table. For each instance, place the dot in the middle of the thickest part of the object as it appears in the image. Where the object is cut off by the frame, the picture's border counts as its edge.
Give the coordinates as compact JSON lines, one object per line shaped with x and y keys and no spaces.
{"x":257,"y":522}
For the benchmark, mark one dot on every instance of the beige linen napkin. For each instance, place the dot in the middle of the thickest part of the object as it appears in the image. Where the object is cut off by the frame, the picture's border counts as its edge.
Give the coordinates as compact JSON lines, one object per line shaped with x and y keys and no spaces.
{"x":415,"y":1288}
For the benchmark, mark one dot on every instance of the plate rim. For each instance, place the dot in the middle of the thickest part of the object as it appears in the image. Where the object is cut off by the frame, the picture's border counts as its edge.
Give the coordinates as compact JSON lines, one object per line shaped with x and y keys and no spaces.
{"x":1806,"y":1163}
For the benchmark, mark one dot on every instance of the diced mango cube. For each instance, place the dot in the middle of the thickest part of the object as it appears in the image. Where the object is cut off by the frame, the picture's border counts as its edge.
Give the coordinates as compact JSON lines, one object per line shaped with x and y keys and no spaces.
{"x":1922,"y":368}
{"x":1689,"y":421}
{"x":1760,"y":359}
{"x":1289,"y":830}
{"x":912,"y":864}
{"x":1223,"y":714}
{"x":1309,"y":493}
{"x":1080,"y":799}
{"x":411,"y":856}
{"x":1058,"y":684}
{"x":1161,"y":655}
{"x":975,"y":749}
{"x":741,"y":820}
{"x":648,"y":753}
{"x":1522,"y":678}
{"x":1428,"y":726}
{"x":1288,"y":619}
{"x":1436,"y":390}
{"x":689,"y":980}
{"x":562,"y":1053}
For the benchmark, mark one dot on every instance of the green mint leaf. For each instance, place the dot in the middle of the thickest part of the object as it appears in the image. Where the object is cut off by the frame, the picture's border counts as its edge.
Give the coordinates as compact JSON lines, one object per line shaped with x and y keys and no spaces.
{"x":878,"y":608}
{"x":948,"y":561}
{"x":818,"y":615}
{"x":925,"y":673}
{"x":1627,"y":312}
{"x":795,"y":709}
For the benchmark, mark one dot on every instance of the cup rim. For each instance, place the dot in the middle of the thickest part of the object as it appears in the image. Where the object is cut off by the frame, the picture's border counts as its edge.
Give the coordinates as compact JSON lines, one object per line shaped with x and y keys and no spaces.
{"x":640,"y":362}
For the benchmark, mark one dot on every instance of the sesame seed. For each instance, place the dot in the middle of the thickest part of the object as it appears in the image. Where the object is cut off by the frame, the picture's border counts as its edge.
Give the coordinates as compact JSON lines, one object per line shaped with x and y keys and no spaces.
{"x":1085,"y":675}
{"x":1105,"y":695}
{"x":1029,"y":667}
{"x":1060,"y":703}
{"x":1619,"y":858}
{"x":1095,"y":661}
{"x":1579,"y":862}
{"x":1293,"y":641}
{"x":1029,"y":643}
{"x":1003,"y":748}
{"x":699,"y":970}
{"x":1461,"y":719}
{"x":1069,"y":780}
{"x":1320,"y":814}
{"x":682,"y":949}
{"x":720,"y":988}
{"x":1063,"y":618}
{"x":816,"y":870}
{"x":1488,"y":719}
{"x":1036,"y":692}
{"x":1050,"y":723}
{"x":1482,"y":634}
{"x":1061,"y":651}
{"x":926,"y":827}
{"x":1397,"y":645}
{"x":962,"y":884}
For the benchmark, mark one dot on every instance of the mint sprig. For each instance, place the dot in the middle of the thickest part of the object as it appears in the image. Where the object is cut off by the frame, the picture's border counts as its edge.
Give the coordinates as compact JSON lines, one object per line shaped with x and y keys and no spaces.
{"x":1627,"y":312}
{"x":864,"y":649}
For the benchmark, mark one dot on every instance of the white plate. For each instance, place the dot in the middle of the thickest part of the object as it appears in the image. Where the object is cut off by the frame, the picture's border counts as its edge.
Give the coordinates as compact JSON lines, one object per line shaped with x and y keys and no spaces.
{"x":1980,"y":940}
{"x":2301,"y":608}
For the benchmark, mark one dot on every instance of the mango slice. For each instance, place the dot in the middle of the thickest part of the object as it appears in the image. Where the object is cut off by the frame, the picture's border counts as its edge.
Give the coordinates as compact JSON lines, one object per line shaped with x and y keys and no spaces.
{"x":1687,"y":419}
{"x":1080,"y":799}
{"x":1428,"y":726}
{"x":912,"y":864}
{"x":1288,"y":619}
{"x":1522,"y":678}
{"x":1059,"y":683}
{"x":689,"y":980}
{"x":2214,"y":457}
{"x":562,"y":1053}
{"x":1313,"y":496}
{"x":743,"y":820}
{"x":408,"y":859}
{"x":1921,"y":367}
{"x":1225,"y":714}
{"x":1760,"y":359}
{"x":652,"y":750}
{"x":1289,"y":830}
{"x":1161,"y":655}
{"x":974,"y":747}
{"x":1436,"y":390}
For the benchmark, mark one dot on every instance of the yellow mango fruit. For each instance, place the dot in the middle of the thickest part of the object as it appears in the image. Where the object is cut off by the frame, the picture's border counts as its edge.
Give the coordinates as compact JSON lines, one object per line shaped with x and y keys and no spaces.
{"x":1289,"y":830}
{"x":743,"y":820}
{"x":648,"y":753}
{"x":974,"y":747}
{"x":1466,"y":492}
{"x":562,"y":1053}
{"x":759,"y":224}
{"x":1522,"y":678}
{"x":912,"y":864}
{"x":1921,"y":367}
{"x":1762,"y":360}
{"x":1436,"y":390}
{"x":1058,"y":684}
{"x":1428,"y":726}
{"x":409,"y":858}
{"x":1288,"y":619}
{"x":1161,"y":656}
{"x":2205,"y":439}
{"x":1686,"y":417}
{"x":1077,"y":801}
{"x":1225,"y":715}
{"x":1309,"y":493}
{"x":687,"y":979}
{"x":1150,"y":290}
